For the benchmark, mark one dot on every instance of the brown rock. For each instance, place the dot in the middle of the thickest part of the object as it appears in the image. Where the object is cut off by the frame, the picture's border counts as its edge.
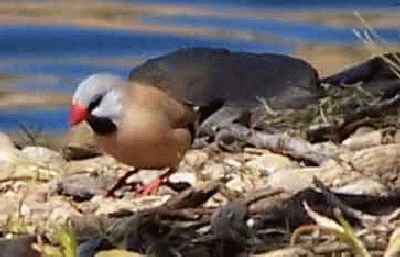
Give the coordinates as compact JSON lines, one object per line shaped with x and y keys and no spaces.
{"x":80,"y":143}
{"x":18,"y":247}
{"x":365,"y":140}
{"x":288,"y":252}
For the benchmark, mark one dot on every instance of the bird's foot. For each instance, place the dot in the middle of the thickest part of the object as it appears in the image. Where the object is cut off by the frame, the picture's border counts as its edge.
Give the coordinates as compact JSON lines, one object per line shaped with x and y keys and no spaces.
{"x":121,"y":182}
{"x":153,"y":187}
{"x":150,"y":189}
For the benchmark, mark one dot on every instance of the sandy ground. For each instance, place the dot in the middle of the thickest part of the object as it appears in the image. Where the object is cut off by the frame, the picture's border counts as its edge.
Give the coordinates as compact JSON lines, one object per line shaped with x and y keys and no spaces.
{"x":22,"y":99}
{"x":94,"y":12}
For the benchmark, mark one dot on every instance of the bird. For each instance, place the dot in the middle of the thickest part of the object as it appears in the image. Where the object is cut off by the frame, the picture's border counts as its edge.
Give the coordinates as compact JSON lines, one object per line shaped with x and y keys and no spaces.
{"x":150,"y":119}
{"x":138,"y":125}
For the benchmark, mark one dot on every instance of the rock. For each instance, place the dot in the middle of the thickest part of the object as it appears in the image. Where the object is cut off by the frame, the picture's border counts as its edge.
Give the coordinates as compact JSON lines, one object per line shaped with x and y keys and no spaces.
{"x":9,"y":205}
{"x":237,"y":184}
{"x":80,"y":143}
{"x":8,"y":152}
{"x":196,"y":158}
{"x":214,"y":171}
{"x":110,"y":205}
{"x":144,"y":176}
{"x":93,"y":245}
{"x":397,"y":136}
{"x":364,"y":186}
{"x":18,"y":247}
{"x":184,"y":177}
{"x":104,"y":164}
{"x":331,"y":174}
{"x":377,"y":160}
{"x":287,"y":252}
{"x":48,"y":162}
{"x":228,"y":226}
{"x":117,"y":253}
{"x":269,"y":163}
{"x":362,"y":131}
{"x":84,"y":186}
{"x":41,"y":154}
{"x":293,"y":180}
{"x":228,"y":223}
{"x":365,"y":140}
{"x":23,"y":170}
{"x":327,"y":147}
{"x":57,"y":209}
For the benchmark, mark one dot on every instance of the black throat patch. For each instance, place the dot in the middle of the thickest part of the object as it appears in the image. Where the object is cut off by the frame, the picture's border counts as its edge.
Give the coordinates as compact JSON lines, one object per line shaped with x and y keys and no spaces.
{"x":101,"y":126}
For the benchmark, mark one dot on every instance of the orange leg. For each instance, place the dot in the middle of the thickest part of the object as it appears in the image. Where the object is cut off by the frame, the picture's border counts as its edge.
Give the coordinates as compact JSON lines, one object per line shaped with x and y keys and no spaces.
{"x":152,"y":187}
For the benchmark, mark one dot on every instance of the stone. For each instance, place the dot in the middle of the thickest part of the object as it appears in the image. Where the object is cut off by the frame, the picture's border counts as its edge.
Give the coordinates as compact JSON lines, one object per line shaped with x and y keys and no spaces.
{"x":378,"y":160}
{"x":184,"y":177}
{"x":332,"y":174}
{"x":93,"y":245}
{"x":80,"y":143}
{"x":214,"y":171}
{"x":84,"y":186}
{"x":41,"y":154}
{"x":8,"y":152}
{"x":363,"y":186}
{"x":365,"y":140}
{"x":269,"y":163}
{"x":18,"y":247}
{"x":144,"y":176}
{"x":111,"y":205}
{"x":101,"y":164}
{"x":362,"y":131}
{"x":236,"y":184}
{"x":293,"y":180}
{"x":196,"y":158}
{"x":46,"y":160}
{"x":117,"y":253}
{"x":9,"y":204}
{"x":287,"y":252}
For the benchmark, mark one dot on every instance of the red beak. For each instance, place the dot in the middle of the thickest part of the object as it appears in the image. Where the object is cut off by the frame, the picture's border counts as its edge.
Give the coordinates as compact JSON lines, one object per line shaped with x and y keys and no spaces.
{"x":78,"y":114}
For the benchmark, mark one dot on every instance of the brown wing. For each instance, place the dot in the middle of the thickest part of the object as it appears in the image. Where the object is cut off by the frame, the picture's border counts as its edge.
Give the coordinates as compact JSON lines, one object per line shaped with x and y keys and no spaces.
{"x":154,"y":130}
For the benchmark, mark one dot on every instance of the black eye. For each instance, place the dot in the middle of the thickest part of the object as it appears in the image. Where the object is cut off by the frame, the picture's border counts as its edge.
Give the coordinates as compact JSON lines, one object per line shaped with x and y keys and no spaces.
{"x":95,"y":103}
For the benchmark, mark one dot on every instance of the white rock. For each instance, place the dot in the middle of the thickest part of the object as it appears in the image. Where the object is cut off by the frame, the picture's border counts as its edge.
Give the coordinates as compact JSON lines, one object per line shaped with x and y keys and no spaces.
{"x":237,"y":184}
{"x":269,"y":163}
{"x":144,"y":176}
{"x":186,"y":177}
{"x":287,"y":252}
{"x":214,"y":171}
{"x":292,"y":180}
{"x":196,"y":158}
{"x":41,"y":154}
{"x":363,"y":187}
{"x":8,"y":152}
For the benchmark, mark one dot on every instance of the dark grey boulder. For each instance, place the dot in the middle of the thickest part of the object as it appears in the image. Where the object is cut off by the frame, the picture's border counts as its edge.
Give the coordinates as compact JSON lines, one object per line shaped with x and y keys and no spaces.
{"x":374,"y":74}
{"x":212,"y":79}
{"x":202,"y":76}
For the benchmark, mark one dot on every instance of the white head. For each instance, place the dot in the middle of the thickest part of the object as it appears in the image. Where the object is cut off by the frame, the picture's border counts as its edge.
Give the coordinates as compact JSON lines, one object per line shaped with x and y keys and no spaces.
{"x":97,"y":96}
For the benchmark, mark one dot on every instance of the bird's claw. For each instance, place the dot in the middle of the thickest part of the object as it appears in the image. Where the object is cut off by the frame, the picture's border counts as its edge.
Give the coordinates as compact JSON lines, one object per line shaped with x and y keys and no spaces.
{"x":150,"y":189}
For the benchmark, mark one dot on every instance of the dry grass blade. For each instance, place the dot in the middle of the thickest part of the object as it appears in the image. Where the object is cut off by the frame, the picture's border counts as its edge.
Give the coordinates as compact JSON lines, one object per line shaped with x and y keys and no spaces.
{"x":343,"y":231}
{"x":378,"y":45}
{"x":393,"y":248}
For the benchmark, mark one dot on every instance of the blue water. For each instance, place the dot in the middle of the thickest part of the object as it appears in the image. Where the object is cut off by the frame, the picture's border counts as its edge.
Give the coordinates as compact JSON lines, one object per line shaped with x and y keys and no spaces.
{"x":56,"y":58}
{"x":43,"y":119}
{"x":359,"y":4}
{"x":302,"y":32}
